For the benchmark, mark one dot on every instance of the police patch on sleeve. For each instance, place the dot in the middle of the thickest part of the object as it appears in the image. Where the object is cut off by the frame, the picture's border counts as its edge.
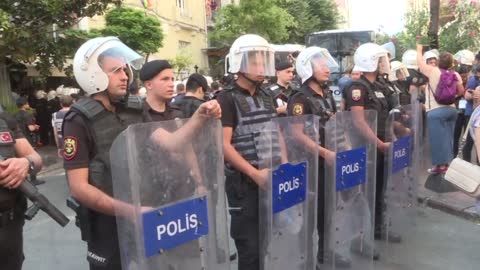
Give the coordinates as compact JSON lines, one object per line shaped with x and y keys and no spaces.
{"x":5,"y":137}
{"x":70,"y":147}
{"x":297,"y":109}
{"x":356,"y":94}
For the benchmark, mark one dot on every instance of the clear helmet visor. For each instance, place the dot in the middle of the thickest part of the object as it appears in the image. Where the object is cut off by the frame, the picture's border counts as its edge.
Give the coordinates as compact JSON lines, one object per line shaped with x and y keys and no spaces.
{"x":399,"y":74}
{"x":258,"y":63}
{"x":119,"y":56}
{"x":323,"y":60}
{"x":383,"y":64}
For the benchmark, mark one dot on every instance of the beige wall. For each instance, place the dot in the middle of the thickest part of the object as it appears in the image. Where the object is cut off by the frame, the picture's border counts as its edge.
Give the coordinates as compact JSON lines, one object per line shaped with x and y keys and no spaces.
{"x":182,"y":28}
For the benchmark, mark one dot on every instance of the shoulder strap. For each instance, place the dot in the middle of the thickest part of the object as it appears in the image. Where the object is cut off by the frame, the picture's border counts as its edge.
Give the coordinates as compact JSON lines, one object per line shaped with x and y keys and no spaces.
{"x":135,"y":102}
{"x":464,"y":138}
{"x":88,"y":107}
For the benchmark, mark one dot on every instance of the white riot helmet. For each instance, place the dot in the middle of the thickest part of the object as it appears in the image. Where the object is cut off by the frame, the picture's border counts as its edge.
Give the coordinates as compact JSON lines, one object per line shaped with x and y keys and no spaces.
{"x":88,"y":59}
{"x":252,"y":54}
{"x":40,"y":94}
{"x":465,"y":57}
{"x":390,"y":47}
{"x":398,"y":71}
{"x":52,"y":94}
{"x":370,"y":57}
{"x":312,"y":58}
{"x":409,"y":58}
{"x":431,"y":54}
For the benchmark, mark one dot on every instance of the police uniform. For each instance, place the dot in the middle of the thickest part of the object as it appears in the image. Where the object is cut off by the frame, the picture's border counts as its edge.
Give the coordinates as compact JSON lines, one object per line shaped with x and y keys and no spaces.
{"x":188,"y":105}
{"x":12,"y":203}
{"x":171,"y":112}
{"x":371,"y":96}
{"x":89,"y":130}
{"x":280,"y":94}
{"x":248,"y":116}
{"x":307,"y":101}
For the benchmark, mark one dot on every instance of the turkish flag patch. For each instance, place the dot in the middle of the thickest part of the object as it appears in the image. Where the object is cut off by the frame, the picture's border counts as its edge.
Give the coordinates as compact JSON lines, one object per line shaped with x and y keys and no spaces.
{"x":6,"y":137}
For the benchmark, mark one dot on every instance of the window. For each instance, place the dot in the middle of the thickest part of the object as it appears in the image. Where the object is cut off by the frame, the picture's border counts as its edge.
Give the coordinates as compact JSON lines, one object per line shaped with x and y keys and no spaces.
{"x":182,"y":45}
{"x":181,"y":4}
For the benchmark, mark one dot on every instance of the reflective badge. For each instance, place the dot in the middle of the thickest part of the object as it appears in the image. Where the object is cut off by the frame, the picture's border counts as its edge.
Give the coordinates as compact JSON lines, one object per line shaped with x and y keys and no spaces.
{"x":297,"y":109}
{"x":69,"y":147}
{"x":379,"y":94}
{"x":356,"y":94}
{"x":5,"y":137}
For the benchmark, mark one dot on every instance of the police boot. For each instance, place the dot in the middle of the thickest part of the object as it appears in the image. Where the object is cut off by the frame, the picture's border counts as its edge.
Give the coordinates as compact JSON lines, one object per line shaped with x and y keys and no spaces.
{"x":364,"y":249}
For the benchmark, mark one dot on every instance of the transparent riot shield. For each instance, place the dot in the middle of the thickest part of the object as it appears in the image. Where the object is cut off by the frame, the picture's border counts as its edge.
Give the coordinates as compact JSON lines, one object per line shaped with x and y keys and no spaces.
{"x":350,"y":191}
{"x":288,"y":201}
{"x":403,"y":131}
{"x":170,"y":200}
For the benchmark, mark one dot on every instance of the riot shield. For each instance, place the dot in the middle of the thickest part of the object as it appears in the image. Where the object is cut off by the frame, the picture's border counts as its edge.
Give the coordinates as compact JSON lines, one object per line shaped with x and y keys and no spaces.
{"x":350,"y":191}
{"x":288,"y":201}
{"x":401,"y":163}
{"x":170,"y":197}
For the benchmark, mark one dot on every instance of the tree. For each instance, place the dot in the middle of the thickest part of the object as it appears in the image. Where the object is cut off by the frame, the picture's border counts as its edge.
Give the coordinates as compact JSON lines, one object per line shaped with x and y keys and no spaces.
{"x":181,"y":61}
{"x":462,"y":32}
{"x":434,"y":23}
{"x":140,"y":32}
{"x":416,"y":24}
{"x":310,"y":16}
{"x":262,"y":17}
{"x":31,"y":32}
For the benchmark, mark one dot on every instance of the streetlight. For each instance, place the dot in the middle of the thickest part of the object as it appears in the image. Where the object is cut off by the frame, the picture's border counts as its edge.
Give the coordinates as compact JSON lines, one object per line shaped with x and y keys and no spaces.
{"x":196,"y":68}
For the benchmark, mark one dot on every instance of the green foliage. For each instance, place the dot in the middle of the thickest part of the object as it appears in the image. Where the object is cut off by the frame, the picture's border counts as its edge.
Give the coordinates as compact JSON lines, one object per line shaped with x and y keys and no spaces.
{"x":140,"y":32}
{"x":309,"y":16}
{"x":262,"y":17}
{"x":416,"y":24}
{"x":28,"y":29}
{"x":463,"y":31}
{"x":181,"y":61}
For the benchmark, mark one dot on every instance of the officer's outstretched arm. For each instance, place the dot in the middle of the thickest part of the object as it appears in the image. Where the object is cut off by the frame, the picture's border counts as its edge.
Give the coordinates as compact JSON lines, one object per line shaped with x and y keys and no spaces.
{"x":358,"y":113}
{"x":238,"y":162}
{"x":179,"y":139}
{"x":93,"y":198}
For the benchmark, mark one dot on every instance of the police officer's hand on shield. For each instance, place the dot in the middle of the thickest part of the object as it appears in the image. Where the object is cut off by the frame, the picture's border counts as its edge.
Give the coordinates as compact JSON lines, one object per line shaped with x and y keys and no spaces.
{"x":210,"y":109}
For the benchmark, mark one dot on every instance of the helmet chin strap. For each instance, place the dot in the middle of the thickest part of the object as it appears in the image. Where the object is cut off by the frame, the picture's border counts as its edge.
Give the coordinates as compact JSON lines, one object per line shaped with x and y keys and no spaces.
{"x":321,"y":84}
{"x":252,"y":82}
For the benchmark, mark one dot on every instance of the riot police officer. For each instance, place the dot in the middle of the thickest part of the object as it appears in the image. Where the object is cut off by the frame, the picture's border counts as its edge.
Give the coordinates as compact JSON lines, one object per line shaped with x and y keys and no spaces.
{"x":20,"y":159}
{"x":281,"y":89}
{"x":368,"y":94}
{"x":314,"y":97}
{"x":246,"y":107}
{"x":103,"y":69}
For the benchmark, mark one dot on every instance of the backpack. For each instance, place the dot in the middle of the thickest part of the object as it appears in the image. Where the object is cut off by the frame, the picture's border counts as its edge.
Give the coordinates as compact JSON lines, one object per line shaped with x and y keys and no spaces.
{"x":446,"y":91}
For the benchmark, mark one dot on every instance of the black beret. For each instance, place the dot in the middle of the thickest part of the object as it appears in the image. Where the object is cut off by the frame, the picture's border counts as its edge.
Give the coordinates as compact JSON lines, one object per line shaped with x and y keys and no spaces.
{"x":199,"y":79}
{"x":152,"y":68}
{"x":283,"y":65}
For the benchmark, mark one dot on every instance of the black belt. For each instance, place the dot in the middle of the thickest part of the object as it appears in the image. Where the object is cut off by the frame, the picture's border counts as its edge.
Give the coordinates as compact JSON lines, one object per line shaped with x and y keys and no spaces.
{"x":6,"y":217}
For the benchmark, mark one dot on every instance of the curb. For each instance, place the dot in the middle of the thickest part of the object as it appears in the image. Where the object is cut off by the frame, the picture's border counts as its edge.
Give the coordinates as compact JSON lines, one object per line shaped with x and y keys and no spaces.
{"x":444,"y":207}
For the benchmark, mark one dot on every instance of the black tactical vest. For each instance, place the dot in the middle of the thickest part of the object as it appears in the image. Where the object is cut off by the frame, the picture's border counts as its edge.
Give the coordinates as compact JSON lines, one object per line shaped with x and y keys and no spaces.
{"x":376,"y":102}
{"x":105,"y":126}
{"x":255,"y":137}
{"x":323,"y":108}
{"x":188,"y":105}
{"x":7,"y":150}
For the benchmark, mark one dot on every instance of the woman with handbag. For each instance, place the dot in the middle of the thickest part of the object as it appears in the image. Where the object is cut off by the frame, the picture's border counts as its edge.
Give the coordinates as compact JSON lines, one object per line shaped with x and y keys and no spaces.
{"x":441,"y":115}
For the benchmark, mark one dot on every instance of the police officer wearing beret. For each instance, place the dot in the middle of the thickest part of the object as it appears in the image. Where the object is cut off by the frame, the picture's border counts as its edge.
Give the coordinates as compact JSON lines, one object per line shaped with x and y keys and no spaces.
{"x":368,"y":93}
{"x":246,"y":109}
{"x":314,"y":97}
{"x":20,"y":159}
{"x":281,"y":90}
{"x":197,"y":87}
{"x":158,"y":78}
{"x":102,"y":68}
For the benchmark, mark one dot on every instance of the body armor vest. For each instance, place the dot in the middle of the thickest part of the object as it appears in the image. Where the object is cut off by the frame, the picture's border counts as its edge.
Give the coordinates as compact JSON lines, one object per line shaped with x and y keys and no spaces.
{"x":105,"y":126}
{"x":322,"y":108}
{"x":7,"y":150}
{"x":255,"y":137}
{"x":376,"y":102}
{"x":188,"y":105}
